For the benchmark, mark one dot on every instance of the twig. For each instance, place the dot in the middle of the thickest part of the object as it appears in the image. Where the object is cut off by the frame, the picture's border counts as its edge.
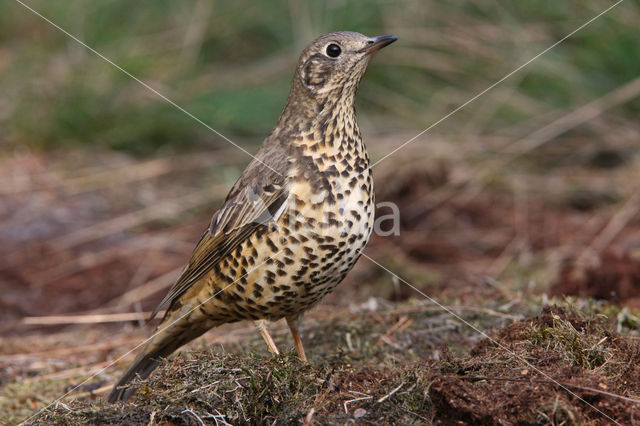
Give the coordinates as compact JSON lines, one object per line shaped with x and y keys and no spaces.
{"x":190,"y":411}
{"x":218,"y":418}
{"x":388,"y":341}
{"x":66,"y":407}
{"x":309,"y":418}
{"x":84,"y":319}
{"x":152,"y":419}
{"x":346,"y":410}
{"x":387,"y":396}
{"x":400,"y":326}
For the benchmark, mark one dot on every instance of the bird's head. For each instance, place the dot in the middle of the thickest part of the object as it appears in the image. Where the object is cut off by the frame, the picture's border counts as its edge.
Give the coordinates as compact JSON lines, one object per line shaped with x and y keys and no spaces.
{"x":332,"y":65}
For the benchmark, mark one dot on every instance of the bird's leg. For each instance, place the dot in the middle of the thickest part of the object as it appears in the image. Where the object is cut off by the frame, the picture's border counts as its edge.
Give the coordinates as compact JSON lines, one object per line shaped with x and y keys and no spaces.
{"x":294,"y":323}
{"x":261,"y":325}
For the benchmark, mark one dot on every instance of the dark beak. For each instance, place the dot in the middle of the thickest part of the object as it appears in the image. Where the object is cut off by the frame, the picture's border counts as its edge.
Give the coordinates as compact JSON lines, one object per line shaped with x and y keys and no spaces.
{"x":378,"y":43}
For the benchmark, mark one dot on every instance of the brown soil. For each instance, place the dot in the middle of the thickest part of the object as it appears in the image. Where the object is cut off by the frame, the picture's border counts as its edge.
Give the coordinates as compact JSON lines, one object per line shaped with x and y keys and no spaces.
{"x":567,"y":369}
{"x":613,"y":276}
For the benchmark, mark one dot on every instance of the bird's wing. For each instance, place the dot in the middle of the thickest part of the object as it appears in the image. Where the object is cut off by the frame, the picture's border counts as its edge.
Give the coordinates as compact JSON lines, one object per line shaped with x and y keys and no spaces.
{"x":257,"y":198}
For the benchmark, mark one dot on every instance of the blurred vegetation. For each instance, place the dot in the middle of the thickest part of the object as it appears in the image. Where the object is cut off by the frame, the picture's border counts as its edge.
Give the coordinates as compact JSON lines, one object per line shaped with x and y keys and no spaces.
{"x":230,"y":64}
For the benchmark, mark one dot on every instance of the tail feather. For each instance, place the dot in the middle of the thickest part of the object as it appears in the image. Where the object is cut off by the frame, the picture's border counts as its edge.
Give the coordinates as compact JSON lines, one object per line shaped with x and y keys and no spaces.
{"x":142,"y":367}
{"x":161,"y":346}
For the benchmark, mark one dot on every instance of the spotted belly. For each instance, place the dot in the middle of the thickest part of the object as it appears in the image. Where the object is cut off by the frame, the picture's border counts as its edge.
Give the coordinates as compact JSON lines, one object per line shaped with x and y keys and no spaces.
{"x":286,"y":267}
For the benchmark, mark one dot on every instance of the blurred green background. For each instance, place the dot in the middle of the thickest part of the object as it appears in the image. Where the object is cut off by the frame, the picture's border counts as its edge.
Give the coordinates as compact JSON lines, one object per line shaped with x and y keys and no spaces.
{"x":230,"y":64}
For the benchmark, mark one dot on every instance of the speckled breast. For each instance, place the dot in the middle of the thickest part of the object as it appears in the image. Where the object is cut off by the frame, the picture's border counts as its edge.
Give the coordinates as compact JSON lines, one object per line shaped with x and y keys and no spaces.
{"x":314,"y":243}
{"x":334,"y":226}
{"x":288,"y":266}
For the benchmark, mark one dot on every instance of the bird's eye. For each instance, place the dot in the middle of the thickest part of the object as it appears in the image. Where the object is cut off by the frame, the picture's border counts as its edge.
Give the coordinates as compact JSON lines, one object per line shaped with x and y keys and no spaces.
{"x":333,"y":50}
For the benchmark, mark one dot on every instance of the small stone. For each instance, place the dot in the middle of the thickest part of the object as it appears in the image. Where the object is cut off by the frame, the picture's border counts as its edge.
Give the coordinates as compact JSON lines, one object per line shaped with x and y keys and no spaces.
{"x":360,"y":412}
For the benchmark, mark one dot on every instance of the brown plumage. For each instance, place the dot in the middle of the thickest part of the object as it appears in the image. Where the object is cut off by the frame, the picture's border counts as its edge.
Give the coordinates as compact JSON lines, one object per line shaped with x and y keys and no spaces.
{"x":294,"y":223}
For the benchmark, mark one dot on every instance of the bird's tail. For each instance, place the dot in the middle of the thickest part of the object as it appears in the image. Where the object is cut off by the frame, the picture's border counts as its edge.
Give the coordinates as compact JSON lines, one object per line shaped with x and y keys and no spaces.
{"x":163,"y":343}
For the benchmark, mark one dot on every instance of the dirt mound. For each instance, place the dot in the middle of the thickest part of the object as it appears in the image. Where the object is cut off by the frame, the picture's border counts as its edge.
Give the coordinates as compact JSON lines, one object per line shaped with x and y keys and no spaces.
{"x":557,"y":368}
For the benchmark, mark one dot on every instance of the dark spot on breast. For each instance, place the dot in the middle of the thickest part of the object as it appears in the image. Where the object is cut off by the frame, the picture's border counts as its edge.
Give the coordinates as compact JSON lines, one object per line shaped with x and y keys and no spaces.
{"x":293,"y":240}
{"x":271,"y":245}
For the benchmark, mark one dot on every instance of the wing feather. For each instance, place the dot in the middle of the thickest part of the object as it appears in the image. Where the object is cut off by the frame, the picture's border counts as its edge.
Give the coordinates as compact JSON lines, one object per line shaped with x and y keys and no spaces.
{"x":257,"y":198}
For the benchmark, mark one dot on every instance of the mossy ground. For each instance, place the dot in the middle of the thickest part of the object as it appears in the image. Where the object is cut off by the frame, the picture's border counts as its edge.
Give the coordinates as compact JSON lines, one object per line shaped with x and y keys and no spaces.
{"x":562,"y":366}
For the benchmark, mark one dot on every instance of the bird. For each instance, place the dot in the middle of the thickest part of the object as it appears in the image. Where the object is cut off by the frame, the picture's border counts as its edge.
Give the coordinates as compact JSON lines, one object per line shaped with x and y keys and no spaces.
{"x":293,"y":224}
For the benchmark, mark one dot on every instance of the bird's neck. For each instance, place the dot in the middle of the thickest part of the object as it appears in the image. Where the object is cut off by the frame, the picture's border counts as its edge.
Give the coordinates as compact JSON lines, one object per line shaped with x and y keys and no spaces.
{"x":328,"y":123}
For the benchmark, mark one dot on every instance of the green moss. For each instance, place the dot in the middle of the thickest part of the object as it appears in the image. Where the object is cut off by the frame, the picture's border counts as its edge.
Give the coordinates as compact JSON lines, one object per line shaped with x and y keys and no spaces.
{"x":582,"y":347}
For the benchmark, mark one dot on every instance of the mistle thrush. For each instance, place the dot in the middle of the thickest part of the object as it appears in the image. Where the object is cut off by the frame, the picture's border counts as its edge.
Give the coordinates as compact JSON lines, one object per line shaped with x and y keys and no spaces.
{"x":293,"y":224}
